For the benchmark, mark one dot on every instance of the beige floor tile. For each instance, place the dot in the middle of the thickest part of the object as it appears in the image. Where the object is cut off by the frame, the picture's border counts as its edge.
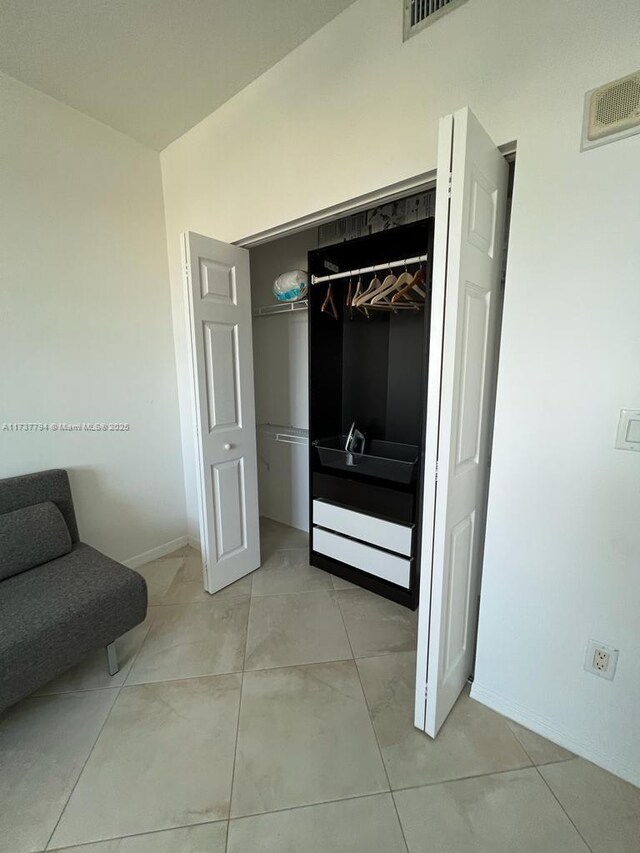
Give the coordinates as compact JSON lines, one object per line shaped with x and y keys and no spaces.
{"x":159,"y":576}
{"x":206,"y":838}
{"x":164,"y":759}
{"x":190,"y":640}
{"x":287,"y":572}
{"x":473,"y":740}
{"x":539,"y":749}
{"x":93,"y":674}
{"x":44,"y":743}
{"x":506,"y":813}
{"x":340,"y":583}
{"x":276,"y":537}
{"x":188,"y":585}
{"x":605,"y":809}
{"x":240,"y":587}
{"x":304,"y":737}
{"x":285,"y":630}
{"x":364,"y":825}
{"x":376,"y":625}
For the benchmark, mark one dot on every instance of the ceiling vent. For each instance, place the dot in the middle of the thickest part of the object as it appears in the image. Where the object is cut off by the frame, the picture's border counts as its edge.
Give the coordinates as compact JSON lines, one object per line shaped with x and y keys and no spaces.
{"x":419,"y":13}
{"x":611,"y":112}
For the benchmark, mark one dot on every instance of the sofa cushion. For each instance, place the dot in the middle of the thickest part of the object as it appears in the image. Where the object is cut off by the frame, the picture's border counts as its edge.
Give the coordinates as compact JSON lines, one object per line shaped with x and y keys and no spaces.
{"x":56,"y":614}
{"x":31,"y":536}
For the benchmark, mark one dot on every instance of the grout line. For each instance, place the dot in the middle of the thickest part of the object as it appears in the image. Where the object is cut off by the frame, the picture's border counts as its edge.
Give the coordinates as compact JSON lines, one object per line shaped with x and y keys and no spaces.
{"x":375,"y":734}
{"x":373,"y":728}
{"x":235,"y":751}
{"x":135,"y":657}
{"x":119,"y":689}
{"x":569,"y":818}
{"x":462,"y":778}
{"x":311,"y":805}
{"x":526,"y":751}
{"x":64,"y":808}
{"x":133,"y":835}
{"x":297,"y":592}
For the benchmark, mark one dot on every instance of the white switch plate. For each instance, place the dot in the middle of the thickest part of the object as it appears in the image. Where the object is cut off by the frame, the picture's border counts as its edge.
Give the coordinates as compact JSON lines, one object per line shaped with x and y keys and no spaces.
{"x":601,"y":659}
{"x":628,"y":436}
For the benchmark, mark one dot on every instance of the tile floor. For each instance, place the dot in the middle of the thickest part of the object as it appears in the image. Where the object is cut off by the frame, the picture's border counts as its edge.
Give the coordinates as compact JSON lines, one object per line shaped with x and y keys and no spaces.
{"x":274,"y":717}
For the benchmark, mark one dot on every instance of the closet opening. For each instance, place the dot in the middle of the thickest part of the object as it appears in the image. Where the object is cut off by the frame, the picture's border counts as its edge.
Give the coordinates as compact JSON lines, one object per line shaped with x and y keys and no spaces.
{"x":326,"y":370}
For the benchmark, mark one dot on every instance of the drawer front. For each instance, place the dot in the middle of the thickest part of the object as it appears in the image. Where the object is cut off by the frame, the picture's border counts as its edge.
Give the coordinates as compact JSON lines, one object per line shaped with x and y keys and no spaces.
{"x":379,"y":563}
{"x":364,"y":497}
{"x":384,"y":534}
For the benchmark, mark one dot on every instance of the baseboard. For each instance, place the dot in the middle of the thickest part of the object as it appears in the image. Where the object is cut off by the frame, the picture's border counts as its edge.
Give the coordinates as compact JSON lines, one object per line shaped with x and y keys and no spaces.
{"x":589,"y":750}
{"x":194,"y":542}
{"x":157,"y":553}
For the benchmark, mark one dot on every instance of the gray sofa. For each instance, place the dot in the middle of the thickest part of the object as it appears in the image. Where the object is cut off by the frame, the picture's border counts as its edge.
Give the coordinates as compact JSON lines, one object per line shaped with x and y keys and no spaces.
{"x":60,"y":599}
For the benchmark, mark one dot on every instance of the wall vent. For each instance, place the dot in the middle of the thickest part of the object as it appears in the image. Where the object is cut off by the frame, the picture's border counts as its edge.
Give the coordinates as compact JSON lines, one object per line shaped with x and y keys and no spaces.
{"x":611,"y":112}
{"x":419,"y":13}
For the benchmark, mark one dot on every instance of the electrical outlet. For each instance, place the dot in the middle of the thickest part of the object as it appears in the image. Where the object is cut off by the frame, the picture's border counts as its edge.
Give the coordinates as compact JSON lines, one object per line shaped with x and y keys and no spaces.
{"x":601,"y":659}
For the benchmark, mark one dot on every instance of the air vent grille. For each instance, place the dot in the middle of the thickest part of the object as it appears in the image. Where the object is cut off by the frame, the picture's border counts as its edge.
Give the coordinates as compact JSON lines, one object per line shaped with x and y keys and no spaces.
{"x":612,"y":111}
{"x":418,"y":13}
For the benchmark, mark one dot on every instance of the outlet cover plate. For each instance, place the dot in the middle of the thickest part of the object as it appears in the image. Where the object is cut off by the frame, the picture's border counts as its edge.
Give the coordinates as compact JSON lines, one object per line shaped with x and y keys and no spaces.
{"x":628,"y":435}
{"x":601,"y":659}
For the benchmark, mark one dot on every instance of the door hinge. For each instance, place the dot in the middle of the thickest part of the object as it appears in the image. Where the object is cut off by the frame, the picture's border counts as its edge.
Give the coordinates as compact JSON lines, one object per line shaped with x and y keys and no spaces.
{"x":449,"y":186}
{"x":436,"y":470}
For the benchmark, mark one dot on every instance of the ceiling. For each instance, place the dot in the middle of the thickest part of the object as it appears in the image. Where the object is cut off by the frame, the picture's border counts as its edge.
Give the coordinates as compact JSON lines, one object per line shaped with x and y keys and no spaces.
{"x":151,"y":68}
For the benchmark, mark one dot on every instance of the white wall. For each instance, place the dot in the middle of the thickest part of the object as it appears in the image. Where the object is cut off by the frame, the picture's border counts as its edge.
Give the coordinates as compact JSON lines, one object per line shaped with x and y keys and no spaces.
{"x":85,"y":320}
{"x":280,"y":352}
{"x":354,"y":109}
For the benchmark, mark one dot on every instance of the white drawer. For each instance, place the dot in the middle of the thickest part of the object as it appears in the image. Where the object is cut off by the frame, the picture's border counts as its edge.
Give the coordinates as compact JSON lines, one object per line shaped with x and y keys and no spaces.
{"x":384,"y":534}
{"x":363,"y":557}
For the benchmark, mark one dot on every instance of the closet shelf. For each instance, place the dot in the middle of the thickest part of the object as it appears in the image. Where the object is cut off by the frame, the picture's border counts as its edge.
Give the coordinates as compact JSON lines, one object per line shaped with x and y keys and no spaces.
{"x":286,"y":434}
{"x":281,"y":308}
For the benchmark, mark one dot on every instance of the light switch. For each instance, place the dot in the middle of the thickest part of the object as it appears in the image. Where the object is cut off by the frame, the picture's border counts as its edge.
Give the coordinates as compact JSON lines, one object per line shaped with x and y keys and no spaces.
{"x":628,"y":437}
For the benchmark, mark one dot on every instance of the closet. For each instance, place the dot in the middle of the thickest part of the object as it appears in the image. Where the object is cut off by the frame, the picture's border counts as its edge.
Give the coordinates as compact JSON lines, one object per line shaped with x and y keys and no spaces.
{"x":390,"y":468}
{"x":280,"y":347}
{"x":369,"y":312}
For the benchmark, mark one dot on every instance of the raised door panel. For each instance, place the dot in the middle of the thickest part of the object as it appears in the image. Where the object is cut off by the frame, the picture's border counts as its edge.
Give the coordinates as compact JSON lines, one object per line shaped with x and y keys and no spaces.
{"x":218,"y":282}
{"x":229,"y":508}
{"x":476,"y":303}
{"x":222,"y":369}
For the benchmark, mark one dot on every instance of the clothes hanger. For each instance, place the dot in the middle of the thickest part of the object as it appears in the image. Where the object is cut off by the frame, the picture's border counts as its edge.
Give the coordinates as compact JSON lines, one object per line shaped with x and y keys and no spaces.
{"x":392,"y":284}
{"x":349,"y":294}
{"x":328,"y":301}
{"x":374,"y":284}
{"x":384,"y":285}
{"x":358,"y":291}
{"x":412,"y":285}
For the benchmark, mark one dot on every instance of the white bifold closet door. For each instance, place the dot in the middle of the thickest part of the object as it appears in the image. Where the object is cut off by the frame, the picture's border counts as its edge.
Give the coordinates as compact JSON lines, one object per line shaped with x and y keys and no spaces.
{"x":219,"y":317}
{"x":467,"y":263}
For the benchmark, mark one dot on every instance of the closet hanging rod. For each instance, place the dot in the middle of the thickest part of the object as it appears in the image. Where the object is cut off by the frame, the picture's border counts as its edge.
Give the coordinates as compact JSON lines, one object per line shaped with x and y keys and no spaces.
{"x":318,"y":279}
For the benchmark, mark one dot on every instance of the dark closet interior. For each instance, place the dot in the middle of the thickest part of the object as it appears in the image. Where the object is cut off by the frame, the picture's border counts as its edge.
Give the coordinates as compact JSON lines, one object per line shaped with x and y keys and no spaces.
{"x":368,"y":368}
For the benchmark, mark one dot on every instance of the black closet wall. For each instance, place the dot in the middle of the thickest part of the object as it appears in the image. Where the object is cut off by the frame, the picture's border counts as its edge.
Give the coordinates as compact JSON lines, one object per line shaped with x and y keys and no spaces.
{"x":371,"y":370}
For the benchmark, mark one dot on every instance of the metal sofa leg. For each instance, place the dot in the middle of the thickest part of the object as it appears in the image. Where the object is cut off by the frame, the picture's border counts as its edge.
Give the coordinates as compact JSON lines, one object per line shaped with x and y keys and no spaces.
{"x":112,"y":659}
